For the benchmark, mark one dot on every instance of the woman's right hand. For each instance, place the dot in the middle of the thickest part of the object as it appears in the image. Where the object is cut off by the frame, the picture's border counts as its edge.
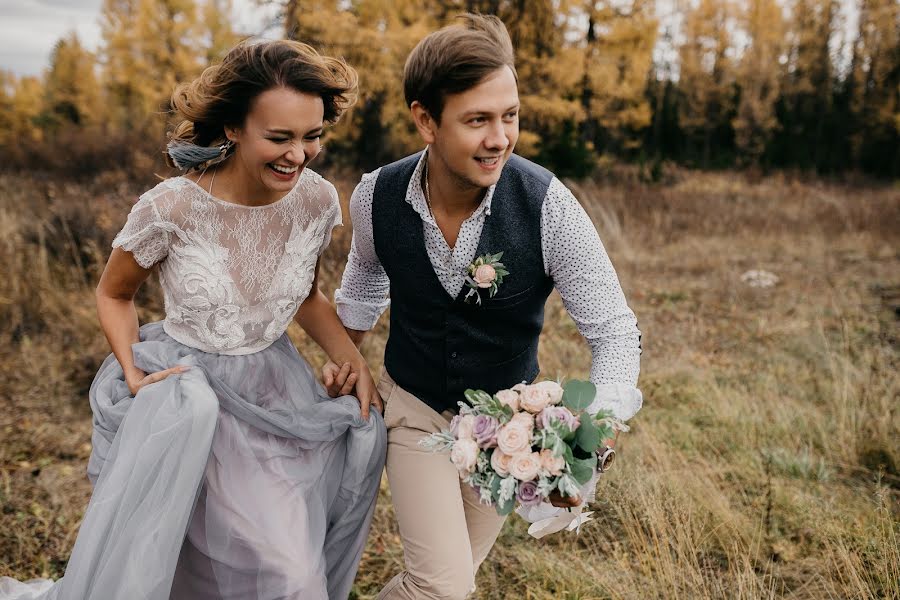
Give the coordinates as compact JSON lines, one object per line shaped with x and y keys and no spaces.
{"x":139,"y":379}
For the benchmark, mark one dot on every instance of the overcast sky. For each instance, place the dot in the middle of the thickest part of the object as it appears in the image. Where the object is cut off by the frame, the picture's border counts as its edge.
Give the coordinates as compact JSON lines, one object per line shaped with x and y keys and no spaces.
{"x":30,"y":28}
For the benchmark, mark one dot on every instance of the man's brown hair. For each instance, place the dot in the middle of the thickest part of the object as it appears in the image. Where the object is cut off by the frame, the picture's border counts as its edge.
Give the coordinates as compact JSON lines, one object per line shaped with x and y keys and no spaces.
{"x":454,"y":59}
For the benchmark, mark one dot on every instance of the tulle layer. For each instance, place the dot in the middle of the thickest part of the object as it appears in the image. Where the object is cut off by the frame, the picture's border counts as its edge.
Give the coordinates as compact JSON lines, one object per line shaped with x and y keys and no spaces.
{"x":239,"y":478}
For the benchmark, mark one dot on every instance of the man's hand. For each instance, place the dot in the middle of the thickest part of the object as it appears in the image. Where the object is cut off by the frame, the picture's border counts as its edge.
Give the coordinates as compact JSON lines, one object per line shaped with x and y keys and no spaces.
{"x":338,"y":381}
{"x":344,"y":380}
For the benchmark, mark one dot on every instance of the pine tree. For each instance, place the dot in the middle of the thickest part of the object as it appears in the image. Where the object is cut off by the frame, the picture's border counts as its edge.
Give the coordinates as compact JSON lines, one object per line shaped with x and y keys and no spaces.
{"x":706,"y":75}
{"x":758,"y":78}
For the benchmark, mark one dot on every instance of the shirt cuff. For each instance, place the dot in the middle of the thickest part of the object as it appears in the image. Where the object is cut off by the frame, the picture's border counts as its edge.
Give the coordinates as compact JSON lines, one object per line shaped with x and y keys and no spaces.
{"x":357,"y":314}
{"x":623,"y":400}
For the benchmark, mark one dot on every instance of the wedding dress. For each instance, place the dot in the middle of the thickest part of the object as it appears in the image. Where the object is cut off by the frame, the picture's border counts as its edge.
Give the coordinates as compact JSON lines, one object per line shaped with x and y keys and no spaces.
{"x":239,"y":478}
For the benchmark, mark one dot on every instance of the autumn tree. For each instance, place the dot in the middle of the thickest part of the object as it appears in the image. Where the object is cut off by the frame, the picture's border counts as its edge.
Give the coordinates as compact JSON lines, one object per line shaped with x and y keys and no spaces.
{"x":216,"y":29}
{"x":807,"y":86}
{"x":758,"y":78}
{"x":874,"y":87}
{"x":72,"y":91}
{"x":706,"y":75}
{"x":618,"y":55}
{"x":22,"y":102}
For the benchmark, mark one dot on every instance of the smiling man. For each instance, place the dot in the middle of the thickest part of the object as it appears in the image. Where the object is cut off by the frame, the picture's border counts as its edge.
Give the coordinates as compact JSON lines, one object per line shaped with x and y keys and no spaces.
{"x":420,"y":225}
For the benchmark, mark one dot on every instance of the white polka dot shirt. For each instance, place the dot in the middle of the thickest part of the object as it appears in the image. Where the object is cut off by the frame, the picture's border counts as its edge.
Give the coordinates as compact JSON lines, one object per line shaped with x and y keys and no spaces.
{"x":574,"y":258}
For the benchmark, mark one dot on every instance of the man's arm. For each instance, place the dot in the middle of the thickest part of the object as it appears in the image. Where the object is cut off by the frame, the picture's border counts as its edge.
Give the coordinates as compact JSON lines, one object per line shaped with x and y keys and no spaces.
{"x":581,"y":270}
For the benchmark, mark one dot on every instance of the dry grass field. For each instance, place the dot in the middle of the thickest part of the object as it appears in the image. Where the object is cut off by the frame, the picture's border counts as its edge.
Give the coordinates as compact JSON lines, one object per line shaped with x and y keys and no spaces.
{"x":766,"y":460}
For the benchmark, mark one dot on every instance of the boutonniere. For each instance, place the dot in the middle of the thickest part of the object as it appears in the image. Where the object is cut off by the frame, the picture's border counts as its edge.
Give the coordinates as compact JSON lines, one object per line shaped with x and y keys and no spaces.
{"x":485,"y":273}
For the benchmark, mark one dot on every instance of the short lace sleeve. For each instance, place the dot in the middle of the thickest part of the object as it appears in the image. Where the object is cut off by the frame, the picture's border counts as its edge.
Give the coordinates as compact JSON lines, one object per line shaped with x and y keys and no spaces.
{"x":331,"y":216}
{"x":145,"y":234}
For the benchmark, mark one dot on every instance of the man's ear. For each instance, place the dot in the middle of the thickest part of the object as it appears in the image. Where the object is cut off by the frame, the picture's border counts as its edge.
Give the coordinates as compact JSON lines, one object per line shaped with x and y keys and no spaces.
{"x":424,"y":122}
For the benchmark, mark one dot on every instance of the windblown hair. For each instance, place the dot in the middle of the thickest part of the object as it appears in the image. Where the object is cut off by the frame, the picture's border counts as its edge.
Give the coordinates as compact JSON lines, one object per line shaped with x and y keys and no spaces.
{"x":223,"y":94}
{"x":455,"y":59}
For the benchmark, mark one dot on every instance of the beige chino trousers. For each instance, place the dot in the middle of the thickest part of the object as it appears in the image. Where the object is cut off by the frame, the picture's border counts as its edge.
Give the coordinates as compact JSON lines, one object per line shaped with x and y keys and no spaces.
{"x":446,"y":532}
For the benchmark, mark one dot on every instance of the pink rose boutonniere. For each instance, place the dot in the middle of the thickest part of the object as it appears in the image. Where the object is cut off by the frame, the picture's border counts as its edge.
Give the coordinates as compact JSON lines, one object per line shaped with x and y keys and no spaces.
{"x":485,"y":273}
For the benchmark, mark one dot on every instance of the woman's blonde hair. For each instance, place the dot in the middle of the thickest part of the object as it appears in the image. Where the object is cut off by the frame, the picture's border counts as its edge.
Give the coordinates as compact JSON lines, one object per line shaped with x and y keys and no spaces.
{"x":223,"y":94}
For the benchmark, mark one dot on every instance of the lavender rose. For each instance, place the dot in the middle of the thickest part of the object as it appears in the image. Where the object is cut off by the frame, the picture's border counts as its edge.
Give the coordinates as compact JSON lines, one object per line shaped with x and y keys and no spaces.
{"x":484,"y":430}
{"x":561,"y":415}
{"x":528,"y":494}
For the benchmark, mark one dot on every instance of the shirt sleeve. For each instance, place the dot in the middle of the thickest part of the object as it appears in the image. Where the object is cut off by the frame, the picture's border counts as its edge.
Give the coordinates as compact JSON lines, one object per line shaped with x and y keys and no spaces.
{"x":574,"y":257}
{"x":363,"y":295}
{"x":333,"y":215}
{"x":145,"y":234}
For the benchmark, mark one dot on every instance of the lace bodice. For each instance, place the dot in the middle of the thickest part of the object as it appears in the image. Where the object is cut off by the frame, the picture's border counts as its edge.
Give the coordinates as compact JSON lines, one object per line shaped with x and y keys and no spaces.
{"x":233,"y":276}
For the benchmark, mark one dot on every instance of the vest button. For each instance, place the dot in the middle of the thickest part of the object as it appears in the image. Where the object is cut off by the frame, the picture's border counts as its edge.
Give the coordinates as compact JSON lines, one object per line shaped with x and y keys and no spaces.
{"x":453,"y":355}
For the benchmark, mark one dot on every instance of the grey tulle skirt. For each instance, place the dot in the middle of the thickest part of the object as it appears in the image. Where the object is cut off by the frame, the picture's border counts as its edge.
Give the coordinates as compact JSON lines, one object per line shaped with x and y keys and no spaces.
{"x":239,"y":478}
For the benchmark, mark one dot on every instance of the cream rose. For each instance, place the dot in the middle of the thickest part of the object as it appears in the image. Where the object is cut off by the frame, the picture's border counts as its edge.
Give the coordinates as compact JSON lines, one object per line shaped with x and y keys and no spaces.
{"x":534,"y":399}
{"x":550,"y":464}
{"x":465,"y":427}
{"x":514,"y":438}
{"x":525,"y":420}
{"x":509,"y":398}
{"x":500,"y":462}
{"x":553,"y":390}
{"x":485,"y":276}
{"x":525,"y":466}
{"x":464,"y":455}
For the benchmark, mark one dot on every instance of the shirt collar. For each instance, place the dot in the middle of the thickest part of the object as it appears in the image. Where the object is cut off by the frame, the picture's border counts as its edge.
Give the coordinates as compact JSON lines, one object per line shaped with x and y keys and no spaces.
{"x":415,"y":195}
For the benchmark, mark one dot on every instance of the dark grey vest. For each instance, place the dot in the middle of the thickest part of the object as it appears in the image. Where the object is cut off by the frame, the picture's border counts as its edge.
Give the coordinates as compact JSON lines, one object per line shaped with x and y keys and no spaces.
{"x":438,"y":345}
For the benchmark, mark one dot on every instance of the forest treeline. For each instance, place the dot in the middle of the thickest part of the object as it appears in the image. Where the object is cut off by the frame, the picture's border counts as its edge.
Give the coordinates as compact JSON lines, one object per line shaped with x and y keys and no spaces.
{"x":707,"y":83}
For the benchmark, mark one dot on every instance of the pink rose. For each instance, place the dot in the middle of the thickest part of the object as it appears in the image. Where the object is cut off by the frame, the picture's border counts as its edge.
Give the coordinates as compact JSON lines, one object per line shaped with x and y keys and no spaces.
{"x":553,"y":390}
{"x":524,"y":419}
{"x":550,"y":464}
{"x":485,"y":276}
{"x":519,"y":387}
{"x":534,"y":399}
{"x":558,"y":414}
{"x":464,"y":455}
{"x":525,"y":466}
{"x":509,"y":398}
{"x":514,"y":438}
{"x":500,"y":462}
{"x":461,"y":426}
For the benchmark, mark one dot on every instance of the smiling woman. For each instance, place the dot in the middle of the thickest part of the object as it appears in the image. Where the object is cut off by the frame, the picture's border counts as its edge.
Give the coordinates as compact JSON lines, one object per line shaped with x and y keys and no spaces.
{"x":222,"y":469}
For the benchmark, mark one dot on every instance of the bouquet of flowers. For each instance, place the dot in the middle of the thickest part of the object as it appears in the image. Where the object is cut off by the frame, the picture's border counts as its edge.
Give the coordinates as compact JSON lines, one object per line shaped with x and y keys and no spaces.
{"x":520,"y":445}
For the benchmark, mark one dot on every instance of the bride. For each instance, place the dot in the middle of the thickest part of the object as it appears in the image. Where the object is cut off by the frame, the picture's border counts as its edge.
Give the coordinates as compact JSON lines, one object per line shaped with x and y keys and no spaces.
{"x":222,"y":469}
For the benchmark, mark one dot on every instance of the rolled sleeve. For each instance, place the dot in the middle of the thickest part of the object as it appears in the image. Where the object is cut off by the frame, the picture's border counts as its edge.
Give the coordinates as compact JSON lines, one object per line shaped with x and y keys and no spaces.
{"x":363,"y":295}
{"x":587,"y":282}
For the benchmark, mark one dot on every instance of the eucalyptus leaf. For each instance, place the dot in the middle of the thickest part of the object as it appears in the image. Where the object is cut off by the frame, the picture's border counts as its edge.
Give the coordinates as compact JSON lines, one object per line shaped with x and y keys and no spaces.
{"x":587,"y":436}
{"x":504,"y":508}
{"x":583,"y":469}
{"x":578,"y":395}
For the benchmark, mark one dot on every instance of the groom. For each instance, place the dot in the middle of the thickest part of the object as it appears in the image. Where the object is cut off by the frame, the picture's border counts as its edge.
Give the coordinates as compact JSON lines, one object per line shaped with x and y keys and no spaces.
{"x":419,"y":224}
